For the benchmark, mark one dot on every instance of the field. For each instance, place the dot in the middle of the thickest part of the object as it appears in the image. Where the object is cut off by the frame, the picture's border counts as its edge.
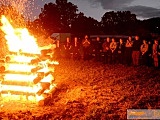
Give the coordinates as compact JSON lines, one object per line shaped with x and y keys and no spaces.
{"x":90,"y":90}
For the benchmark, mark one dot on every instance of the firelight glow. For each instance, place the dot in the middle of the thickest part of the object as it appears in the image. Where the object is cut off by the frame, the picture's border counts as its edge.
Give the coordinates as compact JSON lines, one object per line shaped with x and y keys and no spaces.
{"x":19,"y":39}
{"x":20,"y":58}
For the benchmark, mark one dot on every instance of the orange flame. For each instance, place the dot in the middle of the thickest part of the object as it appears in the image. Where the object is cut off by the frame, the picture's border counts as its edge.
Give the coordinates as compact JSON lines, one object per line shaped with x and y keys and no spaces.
{"x":20,"y":41}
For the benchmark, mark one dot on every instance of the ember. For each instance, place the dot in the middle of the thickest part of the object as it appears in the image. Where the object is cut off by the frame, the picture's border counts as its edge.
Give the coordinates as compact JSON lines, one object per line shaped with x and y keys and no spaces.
{"x":25,"y":71}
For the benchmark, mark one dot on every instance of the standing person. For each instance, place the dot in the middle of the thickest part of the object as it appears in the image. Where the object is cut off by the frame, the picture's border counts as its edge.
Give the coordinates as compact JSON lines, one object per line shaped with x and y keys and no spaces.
{"x":144,"y":52}
{"x":158,"y":54}
{"x":97,"y":48}
{"x":86,"y":47}
{"x":67,"y":48}
{"x":149,"y":55}
{"x":113,"y":47}
{"x":128,"y":51}
{"x":155,"y":53}
{"x":120,"y":50}
{"x":106,"y":50}
{"x":57,"y":51}
{"x":76,"y":47}
{"x":136,"y":51}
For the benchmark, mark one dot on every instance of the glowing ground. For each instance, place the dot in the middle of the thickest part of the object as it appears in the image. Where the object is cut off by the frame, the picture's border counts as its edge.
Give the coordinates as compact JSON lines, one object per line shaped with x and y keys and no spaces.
{"x":88,"y":90}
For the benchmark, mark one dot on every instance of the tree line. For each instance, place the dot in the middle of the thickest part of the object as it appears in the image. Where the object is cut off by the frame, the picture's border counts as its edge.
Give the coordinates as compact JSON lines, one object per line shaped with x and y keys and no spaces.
{"x":64,"y":17}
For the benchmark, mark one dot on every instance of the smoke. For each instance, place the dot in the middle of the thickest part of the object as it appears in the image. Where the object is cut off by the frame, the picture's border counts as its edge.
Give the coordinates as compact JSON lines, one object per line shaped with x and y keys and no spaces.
{"x":142,"y":10}
{"x":111,"y":4}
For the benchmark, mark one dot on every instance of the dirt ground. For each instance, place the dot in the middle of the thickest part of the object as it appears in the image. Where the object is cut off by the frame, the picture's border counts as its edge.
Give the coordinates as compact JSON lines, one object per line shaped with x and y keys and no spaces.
{"x":88,"y":90}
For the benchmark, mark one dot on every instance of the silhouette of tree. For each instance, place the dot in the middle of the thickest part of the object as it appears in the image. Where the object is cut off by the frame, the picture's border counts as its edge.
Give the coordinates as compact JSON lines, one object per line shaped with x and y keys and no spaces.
{"x":85,"y":25}
{"x":62,"y":16}
{"x":67,"y":12}
{"x":152,"y":24}
{"x":56,"y":17}
{"x":49,"y":18}
{"x":118,"y":22}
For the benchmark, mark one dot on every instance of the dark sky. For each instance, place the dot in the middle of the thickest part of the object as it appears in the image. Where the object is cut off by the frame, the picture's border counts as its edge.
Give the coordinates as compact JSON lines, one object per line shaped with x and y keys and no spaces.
{"x":96,"y":8}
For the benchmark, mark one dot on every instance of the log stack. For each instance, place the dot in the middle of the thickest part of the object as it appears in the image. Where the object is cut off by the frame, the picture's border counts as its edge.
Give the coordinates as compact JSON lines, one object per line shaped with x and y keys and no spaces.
{"x":28,"y":75}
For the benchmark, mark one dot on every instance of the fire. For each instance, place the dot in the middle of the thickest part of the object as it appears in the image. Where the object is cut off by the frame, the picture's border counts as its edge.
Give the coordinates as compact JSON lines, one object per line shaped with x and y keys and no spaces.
{"x":19,"y":39}
{"x":21,"y":74}
{"x":22,"y":58}
{"x":19,"y":77}
{"x":20,"y":68}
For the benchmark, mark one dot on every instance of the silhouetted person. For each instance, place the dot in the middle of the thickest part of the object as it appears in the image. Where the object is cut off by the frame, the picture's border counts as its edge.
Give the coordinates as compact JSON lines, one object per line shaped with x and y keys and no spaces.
{"x":57,"y":51}
{"x":106,"y":50}
{"x":155,"y":53}
{"x":144,"y":52}
{"x":97,"y":49}
{"x":86,"y":48}
{"x":120,"y":51}
{"x":149,"y":54}
{"x":67,"y":48}
{"x":136,"y":51}
{"x":75,"y":48}
{"x":113,"y":47}
{"x":128,"y":51}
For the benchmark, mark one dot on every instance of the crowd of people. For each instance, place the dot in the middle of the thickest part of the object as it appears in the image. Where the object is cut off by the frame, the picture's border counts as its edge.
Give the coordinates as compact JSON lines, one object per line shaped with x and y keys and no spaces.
{"x":132,"y":51}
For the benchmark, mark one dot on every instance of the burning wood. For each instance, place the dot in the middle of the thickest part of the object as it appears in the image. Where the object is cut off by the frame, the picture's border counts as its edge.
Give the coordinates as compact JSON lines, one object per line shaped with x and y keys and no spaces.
{"x":26,"y":69}
{"x":37,"y":79}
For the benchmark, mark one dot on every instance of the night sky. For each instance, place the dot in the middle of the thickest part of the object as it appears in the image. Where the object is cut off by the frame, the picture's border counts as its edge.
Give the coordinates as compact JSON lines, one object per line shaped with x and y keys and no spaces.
{"x":96,"y":8}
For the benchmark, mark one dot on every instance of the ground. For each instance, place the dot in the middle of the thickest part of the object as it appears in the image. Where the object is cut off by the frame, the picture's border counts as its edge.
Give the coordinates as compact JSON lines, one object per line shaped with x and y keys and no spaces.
{"x":90,"y":90}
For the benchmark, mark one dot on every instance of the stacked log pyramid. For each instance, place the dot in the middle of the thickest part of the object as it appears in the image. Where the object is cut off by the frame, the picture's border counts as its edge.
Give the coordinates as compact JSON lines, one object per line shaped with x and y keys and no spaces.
{"x":33,"y":76}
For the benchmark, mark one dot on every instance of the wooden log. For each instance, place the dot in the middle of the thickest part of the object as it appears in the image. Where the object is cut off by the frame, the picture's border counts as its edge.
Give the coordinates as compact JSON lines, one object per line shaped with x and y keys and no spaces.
{"x":40,"y":92}
{"x":35,"y":61}
{"x":16,"y":83}
{"x":45,"y":85}
{"x":2,"y":69}
{"x":7,"y":59}
{"x":37,"y":80}
{"x":2,"y":61}
{"x":25,"y":54}
{"x":47,"y":97}
{"x":17,"y":72}
{"x":34,"y":70}
{"x":16,"y":93}
{"x":46,"y":51}
{"x":46,"y":100}
{"x":45,"y":57}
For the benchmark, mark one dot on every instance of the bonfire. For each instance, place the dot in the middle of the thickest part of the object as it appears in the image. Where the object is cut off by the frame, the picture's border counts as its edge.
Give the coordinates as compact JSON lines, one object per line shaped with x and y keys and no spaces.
{"x":84,"y":89}
{"x":25,"y":69}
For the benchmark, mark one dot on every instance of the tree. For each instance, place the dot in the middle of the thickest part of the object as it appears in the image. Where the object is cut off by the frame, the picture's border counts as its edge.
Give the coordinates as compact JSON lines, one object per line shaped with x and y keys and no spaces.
{"x":85,"y":25}
{"x":49,"y":18}
{"x":68,"y":13}
{"x":152,"y":24}
{"x":56,"y":17}
{"x":118,"y":22}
